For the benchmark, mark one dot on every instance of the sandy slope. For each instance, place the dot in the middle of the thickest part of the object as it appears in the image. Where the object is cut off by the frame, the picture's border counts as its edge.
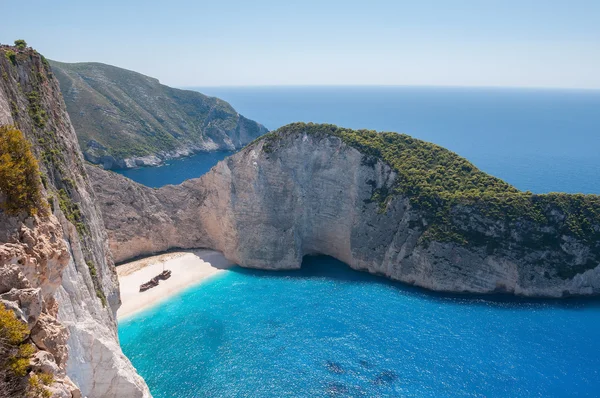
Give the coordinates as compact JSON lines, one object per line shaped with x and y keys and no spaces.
{"x":188,"y":268}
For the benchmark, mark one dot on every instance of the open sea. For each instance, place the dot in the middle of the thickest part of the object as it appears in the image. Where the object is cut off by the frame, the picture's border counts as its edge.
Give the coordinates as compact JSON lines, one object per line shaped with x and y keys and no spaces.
{"x":536,"y":139}
{"x":328,"y":331}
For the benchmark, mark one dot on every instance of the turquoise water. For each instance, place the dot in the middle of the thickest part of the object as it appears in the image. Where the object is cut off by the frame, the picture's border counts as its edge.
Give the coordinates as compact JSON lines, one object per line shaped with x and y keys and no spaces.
{"x":328,"y":331}
{"x":175,"y":171}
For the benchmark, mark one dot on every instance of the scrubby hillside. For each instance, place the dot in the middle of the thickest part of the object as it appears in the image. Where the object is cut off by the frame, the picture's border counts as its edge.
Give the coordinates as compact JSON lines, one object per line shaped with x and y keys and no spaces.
{"x":123,"y":118}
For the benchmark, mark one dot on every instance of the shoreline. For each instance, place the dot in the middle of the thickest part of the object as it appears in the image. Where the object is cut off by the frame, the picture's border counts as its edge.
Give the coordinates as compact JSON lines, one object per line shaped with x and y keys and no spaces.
{"x":189,"y":268}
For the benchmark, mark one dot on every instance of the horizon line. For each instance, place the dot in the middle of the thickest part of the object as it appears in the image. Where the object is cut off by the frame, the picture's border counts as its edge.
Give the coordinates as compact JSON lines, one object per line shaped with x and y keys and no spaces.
{"x":449,"y":86}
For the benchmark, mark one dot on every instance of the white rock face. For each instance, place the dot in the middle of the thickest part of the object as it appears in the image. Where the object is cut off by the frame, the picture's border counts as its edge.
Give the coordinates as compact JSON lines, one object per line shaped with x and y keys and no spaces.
{"x":311,"y":194}
{"x":56,"y":271}
{"x":95,"y":363}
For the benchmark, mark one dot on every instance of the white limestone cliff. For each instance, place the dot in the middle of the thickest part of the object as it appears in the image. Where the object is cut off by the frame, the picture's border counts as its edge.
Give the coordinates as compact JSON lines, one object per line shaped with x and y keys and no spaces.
{"x":312,"y":194}
{"x":56,"y":270}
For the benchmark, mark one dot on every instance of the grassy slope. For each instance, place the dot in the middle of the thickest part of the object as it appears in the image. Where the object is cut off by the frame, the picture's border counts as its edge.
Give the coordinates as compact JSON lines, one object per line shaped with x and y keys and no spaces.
{"x":438,"y":181}
{"x":134,"y":115}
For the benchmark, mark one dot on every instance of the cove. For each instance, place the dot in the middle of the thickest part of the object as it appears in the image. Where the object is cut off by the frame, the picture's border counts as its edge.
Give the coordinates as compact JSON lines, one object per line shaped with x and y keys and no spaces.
{"x":175,"y":171}
{"x":327,"y":330}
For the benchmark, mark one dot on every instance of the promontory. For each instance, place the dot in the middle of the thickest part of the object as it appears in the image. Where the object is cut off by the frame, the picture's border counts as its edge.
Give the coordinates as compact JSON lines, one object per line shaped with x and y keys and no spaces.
{"x":385,"y":203}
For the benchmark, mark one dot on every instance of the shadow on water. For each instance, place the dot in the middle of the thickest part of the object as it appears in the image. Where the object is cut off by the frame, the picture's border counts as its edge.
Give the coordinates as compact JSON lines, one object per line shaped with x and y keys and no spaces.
{"x":325,"y":267}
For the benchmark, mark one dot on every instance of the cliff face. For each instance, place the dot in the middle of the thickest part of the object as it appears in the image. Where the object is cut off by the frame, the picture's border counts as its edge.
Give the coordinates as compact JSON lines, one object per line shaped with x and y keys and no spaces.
{"x":60,"y":261}
{"x":124,"y":119}
{"x":301,"y":194}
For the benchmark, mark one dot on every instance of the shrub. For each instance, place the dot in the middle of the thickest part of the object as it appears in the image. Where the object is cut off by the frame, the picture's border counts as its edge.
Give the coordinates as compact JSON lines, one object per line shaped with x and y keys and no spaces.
{"x":19,"y":362}
{"x":72,"y":211}
{"x":11,"y":56}
{"x":102,"y":297}
{"x":37,"y":383}
{"x":46,"y":378}
{"x":14,"y":360}
{"x":12,"y":330}
{"x":19,"y":174}
{"x":36,"y":112}
{"x":14,"y":354}
{"x":21,"y":44}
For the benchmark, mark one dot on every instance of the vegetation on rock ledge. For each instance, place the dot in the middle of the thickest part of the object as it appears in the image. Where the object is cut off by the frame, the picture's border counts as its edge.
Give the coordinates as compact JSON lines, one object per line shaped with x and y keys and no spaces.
{"x":19,"y":173}
{"x":15,"y":355}
{"x":439,"y":181}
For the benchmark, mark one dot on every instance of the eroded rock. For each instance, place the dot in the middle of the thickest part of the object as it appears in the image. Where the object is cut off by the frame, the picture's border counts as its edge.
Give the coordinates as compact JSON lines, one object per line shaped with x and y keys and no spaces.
{"x":268,"y":207}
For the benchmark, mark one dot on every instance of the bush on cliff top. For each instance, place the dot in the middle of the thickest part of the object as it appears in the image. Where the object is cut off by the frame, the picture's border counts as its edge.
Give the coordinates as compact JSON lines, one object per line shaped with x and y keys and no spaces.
{"x":20,"y":44}
{"x":19,"y":174}
{"x":436,"y":180}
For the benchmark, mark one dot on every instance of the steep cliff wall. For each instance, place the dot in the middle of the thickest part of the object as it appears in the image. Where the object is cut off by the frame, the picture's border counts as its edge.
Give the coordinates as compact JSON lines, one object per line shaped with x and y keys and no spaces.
{"x":64,"y":254}
{"x":124,"y":119}
{"x":309,"y":189}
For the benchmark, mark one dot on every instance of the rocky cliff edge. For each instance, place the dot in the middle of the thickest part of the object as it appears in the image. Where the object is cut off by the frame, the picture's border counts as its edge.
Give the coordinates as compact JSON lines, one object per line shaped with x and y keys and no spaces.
{"x":56,"y":272}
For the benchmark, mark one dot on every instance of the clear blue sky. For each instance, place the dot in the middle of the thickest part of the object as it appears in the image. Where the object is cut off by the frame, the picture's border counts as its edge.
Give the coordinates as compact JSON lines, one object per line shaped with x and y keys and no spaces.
{"x":531,"y":43}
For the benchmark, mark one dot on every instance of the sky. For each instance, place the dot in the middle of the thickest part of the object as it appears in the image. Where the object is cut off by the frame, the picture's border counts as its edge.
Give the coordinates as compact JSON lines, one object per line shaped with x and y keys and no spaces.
{"x":506,"y":43}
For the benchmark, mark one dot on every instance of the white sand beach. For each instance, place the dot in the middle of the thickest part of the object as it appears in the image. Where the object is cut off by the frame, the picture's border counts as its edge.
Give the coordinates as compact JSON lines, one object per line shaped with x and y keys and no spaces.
{"x":188,"y":268}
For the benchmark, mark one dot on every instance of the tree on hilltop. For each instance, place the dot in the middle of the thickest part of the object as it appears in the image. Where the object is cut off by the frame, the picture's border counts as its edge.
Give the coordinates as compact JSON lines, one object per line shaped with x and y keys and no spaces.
{"x":21,"y":44}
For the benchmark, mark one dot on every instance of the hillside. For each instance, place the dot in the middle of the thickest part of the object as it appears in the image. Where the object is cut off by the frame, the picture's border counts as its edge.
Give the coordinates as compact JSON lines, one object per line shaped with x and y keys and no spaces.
{"x":382,"y":202}
{"x":125,"y":119}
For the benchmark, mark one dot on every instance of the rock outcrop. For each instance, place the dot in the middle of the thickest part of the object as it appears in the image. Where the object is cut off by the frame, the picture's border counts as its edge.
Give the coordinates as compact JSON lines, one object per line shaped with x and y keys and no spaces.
{"x":56,"y":271}
{"x":124,"y":119}
{"x":302,"y":193}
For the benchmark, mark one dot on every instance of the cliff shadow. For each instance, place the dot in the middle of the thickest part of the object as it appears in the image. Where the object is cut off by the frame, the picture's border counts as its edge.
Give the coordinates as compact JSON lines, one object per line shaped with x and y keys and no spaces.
{"x":321,"y":266}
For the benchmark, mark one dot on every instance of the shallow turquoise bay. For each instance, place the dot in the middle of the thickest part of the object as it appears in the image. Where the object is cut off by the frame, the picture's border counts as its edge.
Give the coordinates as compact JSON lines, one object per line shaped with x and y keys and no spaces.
{"x":329,"y":331}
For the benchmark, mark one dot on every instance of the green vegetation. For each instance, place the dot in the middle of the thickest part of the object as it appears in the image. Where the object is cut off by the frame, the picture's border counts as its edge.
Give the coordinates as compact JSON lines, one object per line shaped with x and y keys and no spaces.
{"x":92,"y":269}
{"x":12,"y":330}
{"x":21,"y":44}
{"x":438,"y":181}
{"x":72,"y":211}
{"x":45,"y":62}
{"x":124,"y":114}
{"x":19,"y":174}
{"x":101,"y":296}
{"x":11,"y":56}
{"x":19,"y":362}
{"x":36,"y":112}
{"x":96,"y":281}
{"x":37,"y":383}
{"x":15,"y":353}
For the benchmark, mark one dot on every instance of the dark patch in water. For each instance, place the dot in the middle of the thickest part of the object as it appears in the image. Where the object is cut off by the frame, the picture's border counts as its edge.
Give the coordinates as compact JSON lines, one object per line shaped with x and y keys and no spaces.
{"x":334,"y":367}
{"x":337,"y":390}
{"x":386,"y":377}
{"x":274,"y":323}
{"x":365,"y":364}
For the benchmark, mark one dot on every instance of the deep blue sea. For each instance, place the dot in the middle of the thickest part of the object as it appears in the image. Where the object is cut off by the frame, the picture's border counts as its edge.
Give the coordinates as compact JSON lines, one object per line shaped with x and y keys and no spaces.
{"x":536,"y":139}
{"x":175,"y":171}
{"x":328,"y":331}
